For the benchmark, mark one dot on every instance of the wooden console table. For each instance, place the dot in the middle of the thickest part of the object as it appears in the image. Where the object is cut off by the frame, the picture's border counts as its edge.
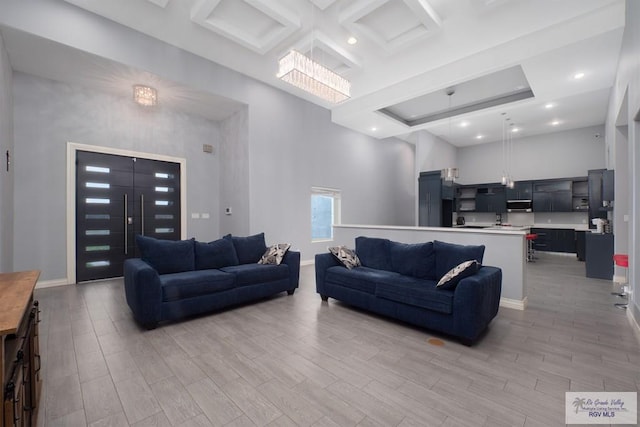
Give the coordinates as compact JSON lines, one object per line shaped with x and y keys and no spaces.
{"x":19,"y":349}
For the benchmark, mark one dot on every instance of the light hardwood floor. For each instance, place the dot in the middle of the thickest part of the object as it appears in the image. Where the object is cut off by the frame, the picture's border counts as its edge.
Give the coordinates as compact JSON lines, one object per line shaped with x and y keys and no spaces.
{"x":298,"y":361}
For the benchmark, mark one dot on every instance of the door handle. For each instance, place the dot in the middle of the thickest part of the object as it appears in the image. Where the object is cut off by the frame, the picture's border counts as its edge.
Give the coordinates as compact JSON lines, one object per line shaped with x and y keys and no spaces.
{"x":127,"y":221}
{"x":142,"y":214}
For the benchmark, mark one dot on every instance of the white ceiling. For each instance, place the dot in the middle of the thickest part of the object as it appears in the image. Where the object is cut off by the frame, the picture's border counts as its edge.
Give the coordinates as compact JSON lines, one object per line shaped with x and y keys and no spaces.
{"x":406,"y":49}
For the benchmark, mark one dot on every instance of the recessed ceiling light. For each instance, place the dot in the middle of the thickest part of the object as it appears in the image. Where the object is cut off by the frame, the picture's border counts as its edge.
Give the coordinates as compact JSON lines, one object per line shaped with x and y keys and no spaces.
{"x":464,"y":124}
{"x":555,"y":123}
{"x":578,"y":76}
{"x":514,"y":130}
{"x":479,"y":136}
{"x":352,"y":40}
{"x":373,"y":129}
{"x":549,"y":105}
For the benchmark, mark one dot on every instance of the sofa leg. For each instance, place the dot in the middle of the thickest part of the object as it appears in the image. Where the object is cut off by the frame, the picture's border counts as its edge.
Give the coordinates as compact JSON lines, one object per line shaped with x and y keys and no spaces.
{"x":150,"y":326}
{"x":466,"y":341}
{"x":324,"y":297}
{"x":290,"y":291}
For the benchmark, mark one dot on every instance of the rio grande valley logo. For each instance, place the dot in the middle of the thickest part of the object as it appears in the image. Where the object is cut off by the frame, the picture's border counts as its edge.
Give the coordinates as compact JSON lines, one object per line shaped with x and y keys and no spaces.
{"x":601,"y":408}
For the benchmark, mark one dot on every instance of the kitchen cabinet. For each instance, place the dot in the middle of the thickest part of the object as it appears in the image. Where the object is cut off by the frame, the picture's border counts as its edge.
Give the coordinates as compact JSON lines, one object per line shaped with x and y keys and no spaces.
{"x":20,"y":362}
{"x":466,"y":199}
{"x":430,"y":199}
{"x":522,"y":190}
{"x":580,"y":245}
{"x":491,"y":199}
{"x":608,"y":182}
{"x":559,"y":201}
{"x":599,"y":255}
{"x":552,"y":196}
{"x":595,"y":179}
{"x":555,"y":240}
{"x":580,"y":195}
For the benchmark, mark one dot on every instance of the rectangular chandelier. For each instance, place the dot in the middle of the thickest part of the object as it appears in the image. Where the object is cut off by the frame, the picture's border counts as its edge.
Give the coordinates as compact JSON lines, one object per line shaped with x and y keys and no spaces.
{"x":303,"y":72}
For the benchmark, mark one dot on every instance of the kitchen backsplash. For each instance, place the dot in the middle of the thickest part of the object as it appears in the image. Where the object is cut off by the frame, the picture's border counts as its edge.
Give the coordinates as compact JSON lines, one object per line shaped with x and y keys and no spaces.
{"x":521,"y":218}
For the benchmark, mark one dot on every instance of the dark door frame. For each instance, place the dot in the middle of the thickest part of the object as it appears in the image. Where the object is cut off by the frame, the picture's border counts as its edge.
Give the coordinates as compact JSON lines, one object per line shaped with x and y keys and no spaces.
{"x":72,"y":148}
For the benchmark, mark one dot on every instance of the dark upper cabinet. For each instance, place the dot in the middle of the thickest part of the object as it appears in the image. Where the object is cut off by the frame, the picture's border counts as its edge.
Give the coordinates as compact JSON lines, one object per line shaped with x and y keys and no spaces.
{"x":608,"y":182}
{"x":466,"y":198}
{"x":595,"y":178}
{"x":522,"y":190}
{"x":552,"y":196}
{"x":448,"y":190}
{"x":491,"y":199}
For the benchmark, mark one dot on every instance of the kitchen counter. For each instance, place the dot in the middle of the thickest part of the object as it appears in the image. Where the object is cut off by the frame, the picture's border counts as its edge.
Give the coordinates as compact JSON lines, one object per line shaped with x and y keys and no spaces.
{"x":487,"y":225}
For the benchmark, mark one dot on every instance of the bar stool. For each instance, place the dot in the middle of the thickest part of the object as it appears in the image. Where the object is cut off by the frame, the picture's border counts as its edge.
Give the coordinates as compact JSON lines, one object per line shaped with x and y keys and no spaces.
{"x":531,"y":237}
{"x":622,"y":260}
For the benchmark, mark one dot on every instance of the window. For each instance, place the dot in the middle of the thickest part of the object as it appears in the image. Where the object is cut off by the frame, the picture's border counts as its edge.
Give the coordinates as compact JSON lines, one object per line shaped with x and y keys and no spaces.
{"x":325,"y":211}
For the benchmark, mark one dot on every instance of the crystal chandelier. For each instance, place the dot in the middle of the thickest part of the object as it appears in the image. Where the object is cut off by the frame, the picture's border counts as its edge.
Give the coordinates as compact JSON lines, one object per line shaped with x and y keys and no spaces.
{"x":303,"y":72}
{"x":145,"y":95}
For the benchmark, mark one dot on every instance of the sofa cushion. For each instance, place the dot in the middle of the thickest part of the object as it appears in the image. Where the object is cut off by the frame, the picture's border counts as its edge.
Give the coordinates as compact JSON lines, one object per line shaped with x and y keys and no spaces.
{"x":374,"y":252}
{"x":448,"y":255}
{"x":275,"y":254}
{"x":191,"y":284}
{"x":416,"y":292}
{"x":451,"y":279}
{"x":416,"y":260}
{"x":253,"y":274}
{"x":362,"y":279}
{"x":346,"y":256}
{"x":249,"y":249}
{"x":167,"y":256}
{"x":216,"y":254}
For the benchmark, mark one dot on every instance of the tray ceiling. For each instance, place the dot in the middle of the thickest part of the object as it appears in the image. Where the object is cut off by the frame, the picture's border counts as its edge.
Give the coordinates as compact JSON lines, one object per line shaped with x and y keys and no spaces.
{"x":406,"y":50}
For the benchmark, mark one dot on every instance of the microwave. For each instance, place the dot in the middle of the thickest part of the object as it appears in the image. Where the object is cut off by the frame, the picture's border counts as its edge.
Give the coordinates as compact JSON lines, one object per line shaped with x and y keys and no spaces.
{"x":518,"y":205}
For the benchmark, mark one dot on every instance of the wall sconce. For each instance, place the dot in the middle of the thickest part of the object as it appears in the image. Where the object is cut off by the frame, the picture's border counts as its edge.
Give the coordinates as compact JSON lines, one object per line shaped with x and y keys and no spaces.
{"x":145,"y":95}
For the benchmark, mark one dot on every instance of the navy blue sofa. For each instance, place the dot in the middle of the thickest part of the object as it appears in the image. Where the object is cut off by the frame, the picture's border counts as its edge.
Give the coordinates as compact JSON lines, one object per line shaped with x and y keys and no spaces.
{"x":176,"y":279}
{"x":399,"y":280}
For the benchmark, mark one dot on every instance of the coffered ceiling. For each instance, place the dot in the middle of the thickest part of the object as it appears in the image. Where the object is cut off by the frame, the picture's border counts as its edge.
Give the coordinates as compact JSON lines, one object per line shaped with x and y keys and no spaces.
{"x":409,"y":53}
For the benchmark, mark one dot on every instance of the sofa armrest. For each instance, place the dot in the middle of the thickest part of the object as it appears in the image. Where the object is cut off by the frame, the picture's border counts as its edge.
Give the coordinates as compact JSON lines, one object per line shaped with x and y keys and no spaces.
{"x":476,"y":300}
{"x":323,"y":262}
{"x":292,"y":259}
{"x":143,"y":291}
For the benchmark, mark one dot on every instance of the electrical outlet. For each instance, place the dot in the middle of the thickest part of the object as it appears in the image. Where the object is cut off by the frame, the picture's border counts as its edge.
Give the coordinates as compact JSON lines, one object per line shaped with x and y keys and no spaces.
{"x":205,"y":215}
{"x":195,"y":215}
{"x":227,"y":211}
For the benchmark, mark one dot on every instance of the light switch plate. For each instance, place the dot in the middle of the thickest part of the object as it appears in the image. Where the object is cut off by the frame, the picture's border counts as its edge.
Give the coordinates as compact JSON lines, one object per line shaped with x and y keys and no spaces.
{"x":195,"y":215}
{"x":205,"y":215}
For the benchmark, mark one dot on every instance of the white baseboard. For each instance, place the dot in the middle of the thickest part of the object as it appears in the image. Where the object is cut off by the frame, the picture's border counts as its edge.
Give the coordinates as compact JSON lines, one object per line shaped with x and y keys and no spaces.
{"x":307,"y":262}
{"x":514,"y":303}
{"x":51,"y":283}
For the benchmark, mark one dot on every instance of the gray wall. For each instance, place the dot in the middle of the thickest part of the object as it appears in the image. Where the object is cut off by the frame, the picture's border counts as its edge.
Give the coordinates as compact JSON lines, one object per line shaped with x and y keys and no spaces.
{"x":6,"y":178}
{"x":555,"y":155}
{"x":624,"y":110}
{"x":49,"y":114}
{"x":291,"y":145}
{"x":234,"y":174}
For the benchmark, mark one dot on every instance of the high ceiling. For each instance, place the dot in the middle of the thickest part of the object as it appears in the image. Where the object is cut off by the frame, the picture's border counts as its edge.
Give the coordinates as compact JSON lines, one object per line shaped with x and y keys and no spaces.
{"x":408,"y":54}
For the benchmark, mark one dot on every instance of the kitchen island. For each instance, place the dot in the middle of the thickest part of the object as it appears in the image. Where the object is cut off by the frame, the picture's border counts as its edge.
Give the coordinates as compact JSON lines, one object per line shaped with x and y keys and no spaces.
{"x":505,"y":247}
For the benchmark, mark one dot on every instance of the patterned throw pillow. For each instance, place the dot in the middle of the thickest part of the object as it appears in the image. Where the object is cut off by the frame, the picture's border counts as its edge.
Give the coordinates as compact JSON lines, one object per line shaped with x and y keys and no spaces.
{"x":457,"y":273}
{"x":275,"y":254}
{"x":346,"y":256}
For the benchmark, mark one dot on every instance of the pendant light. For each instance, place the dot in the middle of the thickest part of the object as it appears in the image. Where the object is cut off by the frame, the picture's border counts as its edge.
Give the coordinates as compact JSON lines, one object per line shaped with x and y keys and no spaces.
{"x":449,"y":174}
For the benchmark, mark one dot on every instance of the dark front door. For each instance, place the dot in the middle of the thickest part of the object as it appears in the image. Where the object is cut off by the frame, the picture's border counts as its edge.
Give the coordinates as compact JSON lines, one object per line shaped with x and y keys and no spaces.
{"x":118,"y":197}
